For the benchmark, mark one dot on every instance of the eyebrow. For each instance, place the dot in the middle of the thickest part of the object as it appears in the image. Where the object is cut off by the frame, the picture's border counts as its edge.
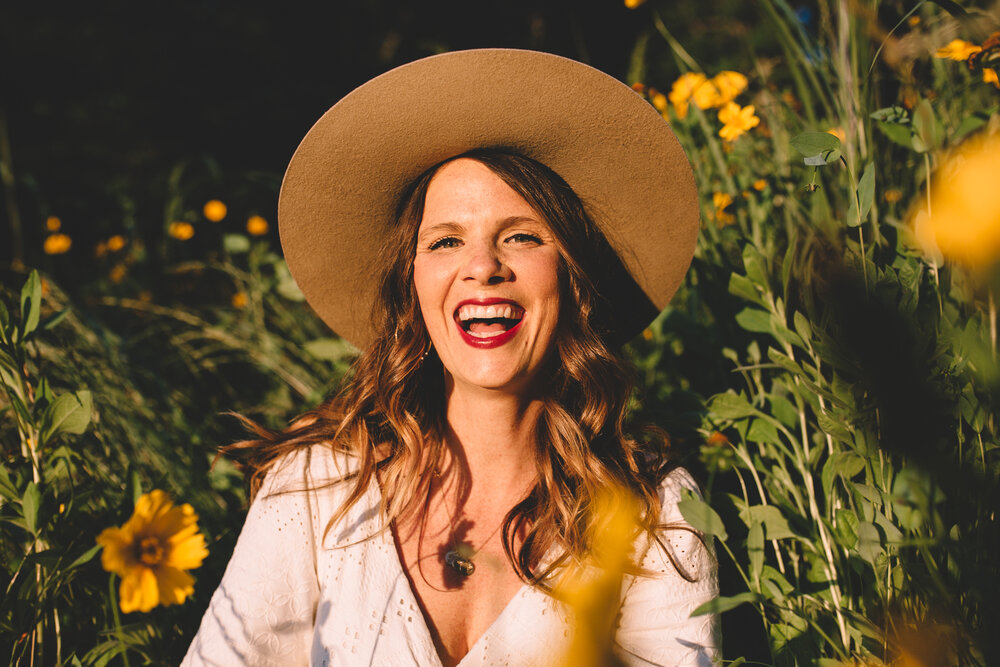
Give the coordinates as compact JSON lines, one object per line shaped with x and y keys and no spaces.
{"x":454,"y":227}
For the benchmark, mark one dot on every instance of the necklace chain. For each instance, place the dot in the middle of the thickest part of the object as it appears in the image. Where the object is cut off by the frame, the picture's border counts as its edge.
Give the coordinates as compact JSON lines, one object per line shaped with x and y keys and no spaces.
{"x":459,"y":557}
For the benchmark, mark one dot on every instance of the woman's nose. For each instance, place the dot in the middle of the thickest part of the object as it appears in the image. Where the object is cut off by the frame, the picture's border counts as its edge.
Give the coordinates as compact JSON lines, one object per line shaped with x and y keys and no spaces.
{"x":486,"y":265}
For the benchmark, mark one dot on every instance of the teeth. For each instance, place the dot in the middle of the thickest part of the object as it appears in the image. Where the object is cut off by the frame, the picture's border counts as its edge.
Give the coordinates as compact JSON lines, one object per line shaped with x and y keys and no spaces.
{"x":501,"y":310}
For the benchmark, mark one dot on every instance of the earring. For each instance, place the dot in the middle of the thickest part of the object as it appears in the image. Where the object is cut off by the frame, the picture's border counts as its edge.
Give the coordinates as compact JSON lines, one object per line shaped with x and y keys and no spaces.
{"x":430,"y":346}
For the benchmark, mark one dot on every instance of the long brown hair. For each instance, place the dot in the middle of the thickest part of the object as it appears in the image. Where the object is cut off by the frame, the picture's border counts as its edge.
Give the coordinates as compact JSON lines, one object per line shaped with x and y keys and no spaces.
{"x":388,"y":414}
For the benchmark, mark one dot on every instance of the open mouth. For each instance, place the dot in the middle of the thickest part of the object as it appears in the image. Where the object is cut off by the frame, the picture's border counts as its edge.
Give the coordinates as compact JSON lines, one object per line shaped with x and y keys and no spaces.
{"x":488,"y":321}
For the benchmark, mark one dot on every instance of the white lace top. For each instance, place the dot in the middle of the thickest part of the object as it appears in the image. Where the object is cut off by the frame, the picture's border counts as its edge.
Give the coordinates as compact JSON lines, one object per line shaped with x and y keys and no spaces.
{"x":294,"y":596}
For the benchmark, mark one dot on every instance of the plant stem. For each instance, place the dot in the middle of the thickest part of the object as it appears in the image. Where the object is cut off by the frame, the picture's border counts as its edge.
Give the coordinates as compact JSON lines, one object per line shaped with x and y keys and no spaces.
{"x":113,"y":599}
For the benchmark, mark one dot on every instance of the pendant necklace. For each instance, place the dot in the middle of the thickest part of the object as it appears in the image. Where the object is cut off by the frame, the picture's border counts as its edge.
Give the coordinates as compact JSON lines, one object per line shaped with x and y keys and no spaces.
{"x":459,"y":557}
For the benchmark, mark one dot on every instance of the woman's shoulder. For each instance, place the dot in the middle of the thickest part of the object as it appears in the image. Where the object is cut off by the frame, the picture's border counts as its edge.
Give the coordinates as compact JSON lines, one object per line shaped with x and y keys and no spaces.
{"x":673,"y":488}
{"x":308,"y":468}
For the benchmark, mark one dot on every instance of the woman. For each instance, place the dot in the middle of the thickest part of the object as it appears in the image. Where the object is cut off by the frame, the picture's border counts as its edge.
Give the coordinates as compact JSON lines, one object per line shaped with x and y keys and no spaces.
{"x":525,"y":215}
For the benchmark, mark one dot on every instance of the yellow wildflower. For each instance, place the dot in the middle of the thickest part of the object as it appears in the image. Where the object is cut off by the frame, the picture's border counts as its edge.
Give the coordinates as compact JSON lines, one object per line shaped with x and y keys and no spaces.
{"x":180,"y":230}
{"x":101,"y":249}
{"x":117,"y":273}
{"x":57,"y":244}
{"x":759,"y":184}
{"x":239,"y":300}
{"x":116,"y":243}
{"x":721,"y":201}
{"x":256,"y":225}
{"x":913,"y":21}
{"x":593,"y":590}
{"x":958,"y":49}
{"x":717,"y":439}
{"x":153,"y":551}
{"x":659,"y":101}
{"x":990,"y":76}
{"x":736,"y":120}
{"x":53,"y":224}
{"x":214,"y":210}
{"x":683,"y":88}
{"x":647,"y":334}
{"x":729,"y":84}
{"x":839,"y":133}
{"x":893,"y":195}
{"x":632,"y":4}
{"x":964,"y":221}
{"x":706,"y":96}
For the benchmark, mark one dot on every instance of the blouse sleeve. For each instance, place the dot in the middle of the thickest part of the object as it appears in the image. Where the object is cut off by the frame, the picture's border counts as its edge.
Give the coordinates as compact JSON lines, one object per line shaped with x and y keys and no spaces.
{"x":263,"y":610}
{"x":655,"y":625}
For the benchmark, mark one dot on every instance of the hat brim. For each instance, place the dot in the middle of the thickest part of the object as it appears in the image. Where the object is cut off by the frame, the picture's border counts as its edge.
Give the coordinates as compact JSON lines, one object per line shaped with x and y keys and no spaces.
{"x":342,"y":187}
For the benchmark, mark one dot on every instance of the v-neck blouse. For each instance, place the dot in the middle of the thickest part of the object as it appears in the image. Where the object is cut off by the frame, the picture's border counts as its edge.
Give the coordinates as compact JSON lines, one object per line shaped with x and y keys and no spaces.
{"x":297,"y":594}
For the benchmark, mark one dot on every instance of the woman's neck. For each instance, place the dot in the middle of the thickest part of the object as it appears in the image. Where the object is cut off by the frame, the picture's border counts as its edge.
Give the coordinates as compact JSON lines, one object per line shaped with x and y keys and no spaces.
{"x":490,"y":440}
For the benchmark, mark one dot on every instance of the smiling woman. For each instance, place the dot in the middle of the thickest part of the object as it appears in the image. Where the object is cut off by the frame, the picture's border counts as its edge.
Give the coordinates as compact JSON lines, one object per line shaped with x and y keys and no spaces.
{"x":426,"y":513}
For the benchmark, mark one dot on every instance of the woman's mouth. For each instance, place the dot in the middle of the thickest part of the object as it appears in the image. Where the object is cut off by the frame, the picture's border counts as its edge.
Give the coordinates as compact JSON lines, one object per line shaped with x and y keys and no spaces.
{"x":488,"y":324}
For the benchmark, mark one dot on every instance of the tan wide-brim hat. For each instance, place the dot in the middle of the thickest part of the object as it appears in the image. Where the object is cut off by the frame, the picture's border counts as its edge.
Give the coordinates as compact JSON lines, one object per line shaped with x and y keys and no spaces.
{"x":341,"y":190}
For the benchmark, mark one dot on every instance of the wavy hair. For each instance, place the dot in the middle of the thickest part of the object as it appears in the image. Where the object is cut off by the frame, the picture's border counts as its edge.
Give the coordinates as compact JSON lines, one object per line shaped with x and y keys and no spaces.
{"x":389,"y":412}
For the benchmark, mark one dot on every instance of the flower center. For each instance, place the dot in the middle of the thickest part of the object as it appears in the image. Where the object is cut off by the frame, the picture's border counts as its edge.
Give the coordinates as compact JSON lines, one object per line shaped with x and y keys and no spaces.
{"x":150,"y":551}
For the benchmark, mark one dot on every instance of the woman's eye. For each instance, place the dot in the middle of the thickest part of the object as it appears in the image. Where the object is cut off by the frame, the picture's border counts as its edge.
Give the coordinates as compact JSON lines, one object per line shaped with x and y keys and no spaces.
{"x":446,"y":242}
{"x":524,"y":238}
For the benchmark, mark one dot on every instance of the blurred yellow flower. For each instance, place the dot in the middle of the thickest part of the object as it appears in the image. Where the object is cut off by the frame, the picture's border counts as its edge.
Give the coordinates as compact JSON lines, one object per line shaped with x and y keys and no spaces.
{"x":957,"y":49}
{"x":153,"y":551}
{"x":759,"y":184}
{"x":717,"y":439}
{"x":632,"y":4}
{"x":839,"y":133}
{"x":683,"y":88}
{"x":990,"y":76}
{"x":892,"y":195}
{"x":729,"y":84}
{"x":57,"y":244}
{"x":256,"y":225}
{"x":913,"y":21}
{"x":239,"y":300}
{"x":706,"y":96}
{"x":117,"y":273}
{"x":52,"y":223}
{"x":592,"y":590}
{"x":180,"y":230}
{"x":964,"y":221}
{"x":721,"y":200}
{"x":116,"y":243}
{"x":101,"y":249}
{"x":214,"y":210}
{"x":659,"y":101}
{"x":736,"y":120}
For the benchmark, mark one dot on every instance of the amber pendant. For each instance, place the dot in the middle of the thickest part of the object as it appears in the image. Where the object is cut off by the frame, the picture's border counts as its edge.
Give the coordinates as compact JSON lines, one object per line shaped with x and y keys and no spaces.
{"x":456,"y":561}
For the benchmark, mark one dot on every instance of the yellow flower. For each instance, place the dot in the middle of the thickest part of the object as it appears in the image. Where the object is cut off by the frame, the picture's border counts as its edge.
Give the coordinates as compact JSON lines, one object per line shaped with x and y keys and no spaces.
{"x":57,"y":244}
{"x":839,"y":133}
{"x":759,"y":184}
{"x":239,"y":300}
{"x":181,"y":231}
{"x":116,"y":243}
{"x":153,"y":551}
{"x":736,"y":120}
{"x":964,"y":221}
{"x":683,"y":88}
{"x":958,"y":49}
{"x":990,"y":76}
{"x":632,"y":4}
{"x":913,"y":21}
{"x":117,"y":273}
{"x":256,"y":225}
{"x":659,"y":101}
{"x":592,"y":590}
{"x":52,"y":223}
{"x":729,"y":84}
{"x":721,"y":200}
{"x":706,"y":96}
{"x":214,"y":210}
{"x":893,"y":195}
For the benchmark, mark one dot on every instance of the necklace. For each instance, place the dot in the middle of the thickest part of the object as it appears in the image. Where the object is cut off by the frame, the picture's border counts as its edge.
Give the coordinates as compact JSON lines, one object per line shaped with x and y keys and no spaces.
{"x":459,"y":557}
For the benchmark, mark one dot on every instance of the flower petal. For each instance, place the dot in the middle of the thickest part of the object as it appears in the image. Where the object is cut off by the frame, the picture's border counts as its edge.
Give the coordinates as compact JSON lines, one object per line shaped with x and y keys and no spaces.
{"x":174,"y":585}
{"x":139,"y":591}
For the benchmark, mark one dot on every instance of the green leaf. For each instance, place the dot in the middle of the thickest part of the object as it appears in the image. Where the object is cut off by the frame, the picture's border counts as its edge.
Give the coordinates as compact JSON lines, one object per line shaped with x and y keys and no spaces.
{"x":762,"y":430}
{"x":846,"y":528}
{"x":802,"y":326}
{"x":235,"y":243}
{"x":7,"y":488}
{"x":85,"y":557}
{"x":898,"y":134}
{"x":287,"y":287}
{"x":730,"y":406}
{"x":31,"y":304}
{"x":31,"y":502}
{"x":814,"y":143}
{"x":866,"y":195}
{"x":69,"y":413}
{"x":928,"y":132}
{"x":869,"y":541}
{"x":968,"y":124}
{"x":54,"y":319}
{"x":721,"y":604}
{"x":893,"y":114}
{"x":755,"y":267}
{"x":742,"y":287}
{"x":754,"y":319}
{"x":328,"y":349}
{"x":772,"y":519}
{"x":702,"y":517}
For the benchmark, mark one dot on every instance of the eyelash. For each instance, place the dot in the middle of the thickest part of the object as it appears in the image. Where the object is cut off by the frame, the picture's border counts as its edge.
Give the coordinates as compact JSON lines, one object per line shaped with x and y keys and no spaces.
{"x":447,"y":241}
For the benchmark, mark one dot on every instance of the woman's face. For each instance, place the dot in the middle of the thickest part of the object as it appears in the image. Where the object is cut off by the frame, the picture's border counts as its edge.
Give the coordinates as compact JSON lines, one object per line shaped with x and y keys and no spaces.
{"x":486,"y":274}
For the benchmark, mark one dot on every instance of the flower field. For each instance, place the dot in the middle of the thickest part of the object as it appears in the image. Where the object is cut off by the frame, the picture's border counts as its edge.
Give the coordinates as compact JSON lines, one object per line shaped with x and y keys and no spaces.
{"x":829,"y":370}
